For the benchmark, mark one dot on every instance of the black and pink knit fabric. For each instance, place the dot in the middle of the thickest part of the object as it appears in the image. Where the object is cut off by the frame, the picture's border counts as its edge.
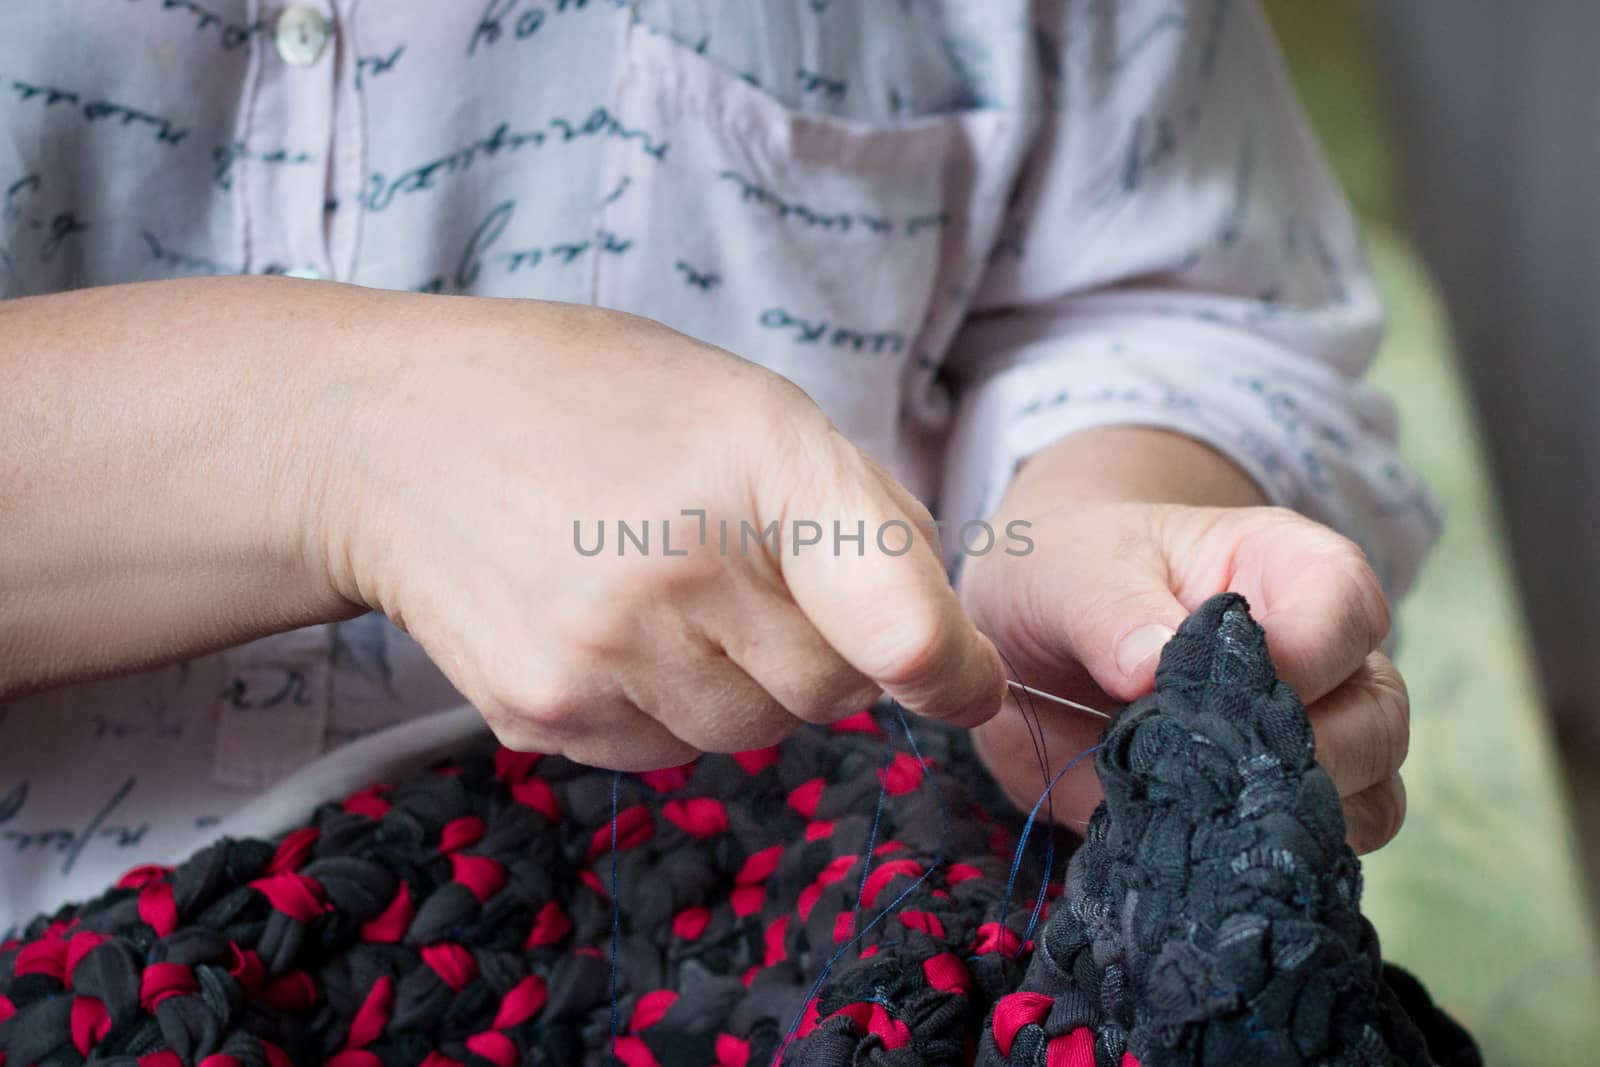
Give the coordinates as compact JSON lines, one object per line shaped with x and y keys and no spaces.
{"x":844,"y":898}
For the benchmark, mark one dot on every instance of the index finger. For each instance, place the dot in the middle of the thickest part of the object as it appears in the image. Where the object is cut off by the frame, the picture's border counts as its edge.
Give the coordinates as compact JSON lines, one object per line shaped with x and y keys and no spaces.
{"x":892,"y":614}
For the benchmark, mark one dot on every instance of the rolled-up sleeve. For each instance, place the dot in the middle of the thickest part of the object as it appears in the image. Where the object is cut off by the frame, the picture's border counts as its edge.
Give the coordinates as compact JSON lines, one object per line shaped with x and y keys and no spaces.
{"x":1177,"y":255}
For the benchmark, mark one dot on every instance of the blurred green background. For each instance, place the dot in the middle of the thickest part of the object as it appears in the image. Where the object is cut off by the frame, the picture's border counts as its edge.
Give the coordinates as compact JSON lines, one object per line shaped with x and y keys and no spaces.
{"x":1481,"y":893}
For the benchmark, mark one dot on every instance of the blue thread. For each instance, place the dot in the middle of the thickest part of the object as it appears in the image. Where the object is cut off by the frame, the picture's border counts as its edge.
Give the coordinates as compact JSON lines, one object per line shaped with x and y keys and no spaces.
{"x":938,"y":861}
{"x":1036,"y":734}
{"x":1041,"y":752}
{"x":616,"y":910}
{"x":1027,"y":828}
{"x":1050,"y":843}
{"x":872,"y":838}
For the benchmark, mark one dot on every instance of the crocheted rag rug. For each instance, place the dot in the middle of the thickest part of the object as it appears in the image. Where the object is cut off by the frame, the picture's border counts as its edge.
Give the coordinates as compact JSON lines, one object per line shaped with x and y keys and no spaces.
{"x":855,"y":895}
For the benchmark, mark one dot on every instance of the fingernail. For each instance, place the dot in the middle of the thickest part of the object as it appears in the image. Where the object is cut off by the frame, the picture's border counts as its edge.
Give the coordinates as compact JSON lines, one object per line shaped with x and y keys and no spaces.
{"x":1139,"y":645}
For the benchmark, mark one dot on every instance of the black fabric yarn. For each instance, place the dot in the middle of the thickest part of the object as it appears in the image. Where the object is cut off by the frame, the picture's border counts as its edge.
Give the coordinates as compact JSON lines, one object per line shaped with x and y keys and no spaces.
{"x":1212,"y":914}
{"x":464,"y":916}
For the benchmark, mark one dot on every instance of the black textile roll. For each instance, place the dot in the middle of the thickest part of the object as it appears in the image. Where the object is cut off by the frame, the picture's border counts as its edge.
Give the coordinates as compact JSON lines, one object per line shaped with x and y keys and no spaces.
{"x":1212,"y":914}
{"x":464,"y":916}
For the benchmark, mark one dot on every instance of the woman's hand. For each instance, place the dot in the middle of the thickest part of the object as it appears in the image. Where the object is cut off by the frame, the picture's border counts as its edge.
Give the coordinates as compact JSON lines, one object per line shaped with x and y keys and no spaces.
{"x":187,"y":465}
{"x":1133,"y":529}
{"x":472,"y":469}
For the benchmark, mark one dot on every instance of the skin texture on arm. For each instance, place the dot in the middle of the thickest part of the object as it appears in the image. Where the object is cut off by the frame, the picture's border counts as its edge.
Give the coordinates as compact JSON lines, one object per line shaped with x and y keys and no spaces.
{"x":1133,"y":529}
{"x":156,"y":447}
{"x":186,"y":465}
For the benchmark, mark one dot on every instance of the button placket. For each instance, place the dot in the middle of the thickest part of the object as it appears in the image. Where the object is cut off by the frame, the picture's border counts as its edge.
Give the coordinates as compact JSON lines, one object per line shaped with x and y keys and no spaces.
{"x":283,"y":167}
{"x":343,"y":213}
{"x":274,"y":706}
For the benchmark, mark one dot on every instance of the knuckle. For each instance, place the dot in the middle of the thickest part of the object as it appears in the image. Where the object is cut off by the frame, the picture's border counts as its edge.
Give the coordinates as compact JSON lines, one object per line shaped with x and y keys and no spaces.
{"x":859,"y":696}
{"x":776,"y":409}
{"x":1368,"y":606}
{"x":1328,"y":549}
{"x":764,"y":729}
{"x":814,"y":708}
{"x":1361,"y":831}
{"x":797,"y":467}
{"x":1376,"y":816}
{"x":506,"y":729}
{"x":921,"y":518}
{"x":1387,"y":737}
{"x":740,"y":724}
{"x":1369,"y":755}
{"x":1108,"y":610}
{"x":1391,"y":813}
{"x":1394,"y":714}
{"x":521,"y":734}
{"x":655,"y":576}
{"x":1268,"y":521}
{"x":666,"y":581}
{"x":847,"y":481}
{"x":654,"y":757}
{"x":542,"y":704}
{"x":511,"y":736}
{"x":615,"y":624}
{"x":837,"y":697}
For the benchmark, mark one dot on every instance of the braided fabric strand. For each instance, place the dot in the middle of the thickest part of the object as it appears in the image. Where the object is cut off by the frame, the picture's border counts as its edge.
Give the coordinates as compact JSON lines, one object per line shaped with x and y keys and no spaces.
{"x":1212,"y":914}
{"x":835,"y":900}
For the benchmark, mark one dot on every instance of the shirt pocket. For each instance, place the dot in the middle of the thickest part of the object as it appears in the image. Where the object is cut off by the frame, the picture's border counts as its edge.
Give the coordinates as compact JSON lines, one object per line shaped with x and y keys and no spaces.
{"x":827,"y":249}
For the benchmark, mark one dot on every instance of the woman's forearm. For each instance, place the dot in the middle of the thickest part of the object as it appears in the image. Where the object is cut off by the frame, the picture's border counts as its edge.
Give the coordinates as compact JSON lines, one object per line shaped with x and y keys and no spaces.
{"x":159,"y":453}
{"x":1133,"y":463}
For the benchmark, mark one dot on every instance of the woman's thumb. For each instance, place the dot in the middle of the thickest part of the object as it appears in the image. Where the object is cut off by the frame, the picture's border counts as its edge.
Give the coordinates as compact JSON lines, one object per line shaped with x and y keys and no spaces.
{"x":1116,"y":620}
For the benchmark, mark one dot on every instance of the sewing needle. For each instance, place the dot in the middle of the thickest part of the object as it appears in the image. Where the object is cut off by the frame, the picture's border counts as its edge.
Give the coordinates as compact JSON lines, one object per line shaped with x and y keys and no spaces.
{"x":1063,"y":701}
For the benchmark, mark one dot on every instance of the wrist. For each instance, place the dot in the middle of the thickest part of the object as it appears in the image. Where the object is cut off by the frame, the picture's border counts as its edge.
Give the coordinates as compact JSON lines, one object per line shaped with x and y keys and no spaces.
{"x":401,"y":380}
{"x":1131,"y":464}
{"x":252,"y":481}
{"x":347,"y":401}
{"x":291,"y":445}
